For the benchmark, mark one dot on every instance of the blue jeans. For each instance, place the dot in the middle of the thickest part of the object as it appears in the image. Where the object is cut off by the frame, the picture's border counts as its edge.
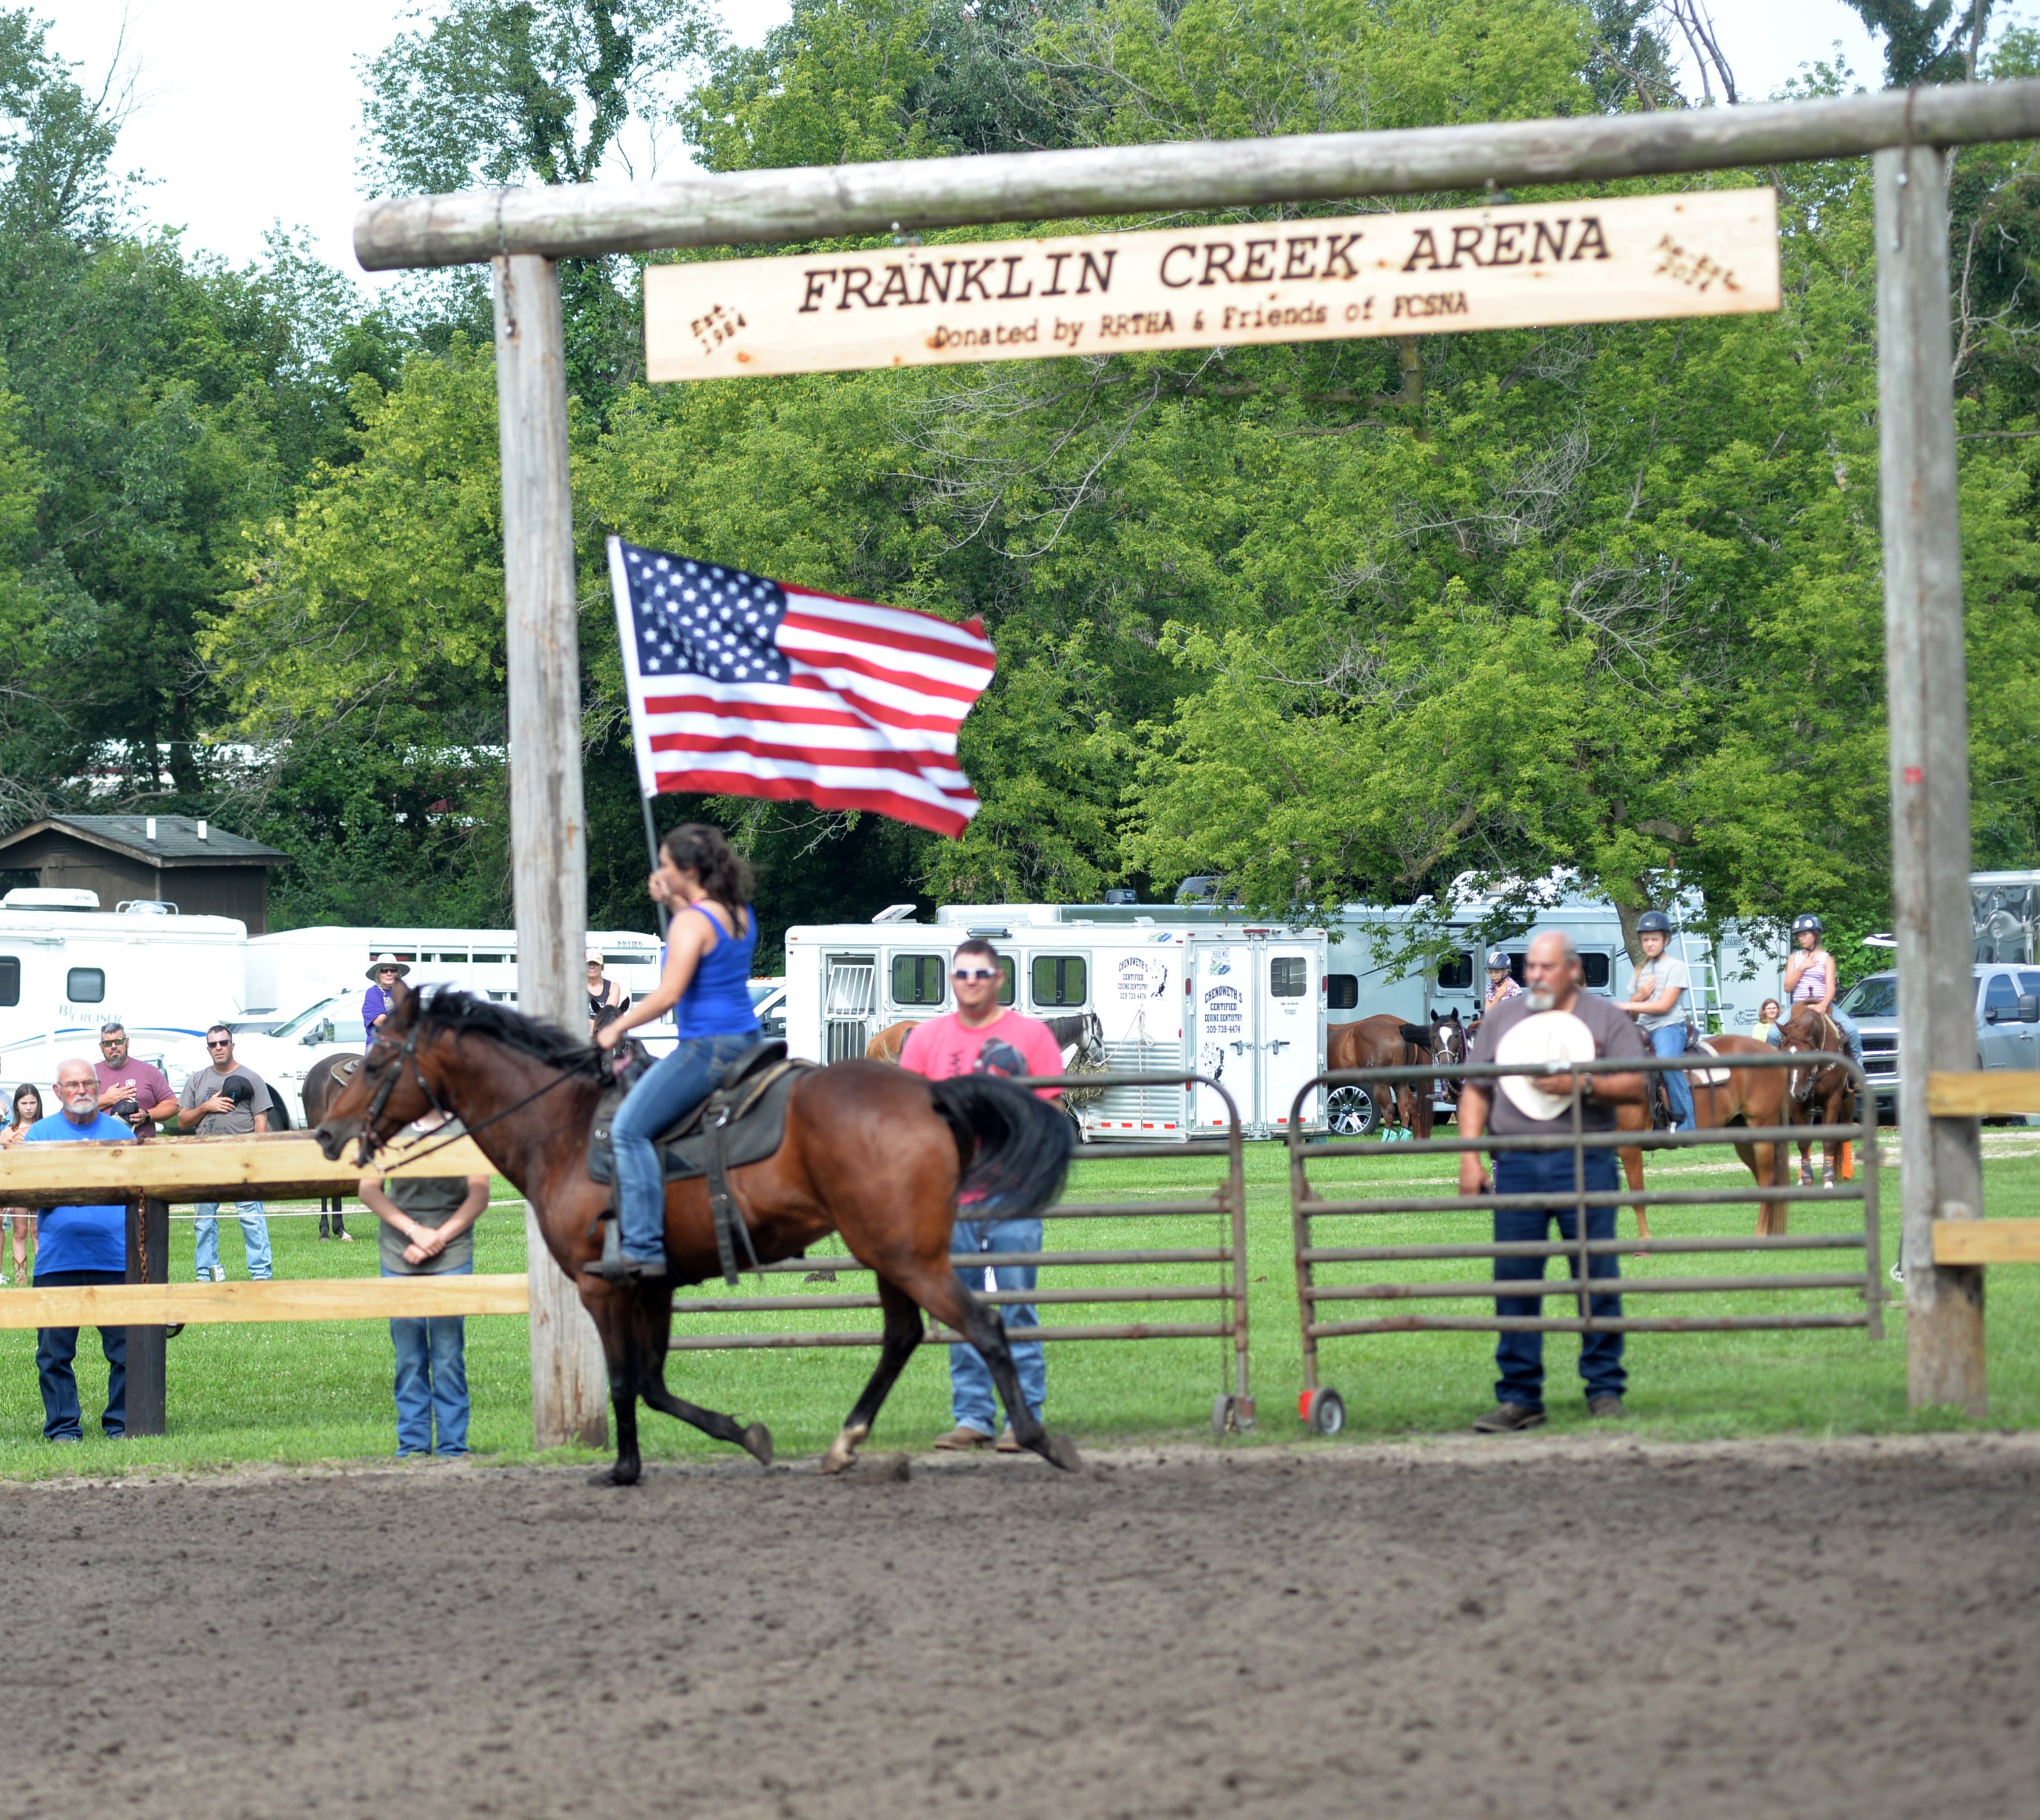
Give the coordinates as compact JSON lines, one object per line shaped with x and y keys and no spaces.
{"x":1851,"y":1035}
{"x":1520,"y":1357}
{"x":1670,"y":1040}
{"x":972,"y":1403}
{"x":55,"y":1348}
{"x":254,"y":1236}
{"x":675,"y":1085}
{"x":431,"y":1377}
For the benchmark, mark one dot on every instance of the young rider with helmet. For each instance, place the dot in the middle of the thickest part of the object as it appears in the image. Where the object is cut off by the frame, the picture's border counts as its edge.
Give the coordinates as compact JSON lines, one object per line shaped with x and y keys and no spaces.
{"x":1655,"y":1002}
{"x":1502,"y":985}
{"x":1812,"y":978}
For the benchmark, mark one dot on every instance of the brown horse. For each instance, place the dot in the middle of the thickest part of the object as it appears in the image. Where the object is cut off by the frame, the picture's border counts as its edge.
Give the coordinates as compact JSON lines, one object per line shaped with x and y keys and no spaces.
{"x":323,"y":1079}
{"x":871,"y":1152}
{"x":1723,"y":1098}
{"x":1386,"y":1040}
{"x":1815,"y":1095}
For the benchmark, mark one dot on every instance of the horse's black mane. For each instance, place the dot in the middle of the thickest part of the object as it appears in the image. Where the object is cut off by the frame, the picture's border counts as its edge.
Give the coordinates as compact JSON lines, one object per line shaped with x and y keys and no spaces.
{"x":463,"y":1014}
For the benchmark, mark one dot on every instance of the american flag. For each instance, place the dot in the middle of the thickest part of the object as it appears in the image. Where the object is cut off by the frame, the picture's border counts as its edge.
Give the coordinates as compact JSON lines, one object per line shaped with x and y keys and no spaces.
{"x":743,"y":687}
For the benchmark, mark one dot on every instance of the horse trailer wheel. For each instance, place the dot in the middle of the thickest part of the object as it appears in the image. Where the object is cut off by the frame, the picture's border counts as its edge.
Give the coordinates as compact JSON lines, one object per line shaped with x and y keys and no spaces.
{"x":1351,"y":1112}
{"x":1323,"y":1411}
{"x":1223,"y":1423}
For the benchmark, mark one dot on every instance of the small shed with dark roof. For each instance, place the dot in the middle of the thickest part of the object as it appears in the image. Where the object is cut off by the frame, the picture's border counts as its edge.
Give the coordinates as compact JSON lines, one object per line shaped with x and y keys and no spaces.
{"x":195,"y":865}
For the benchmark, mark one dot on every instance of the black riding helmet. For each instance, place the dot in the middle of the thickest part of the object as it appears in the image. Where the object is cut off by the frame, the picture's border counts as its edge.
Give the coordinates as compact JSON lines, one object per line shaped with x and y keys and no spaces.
{"x":1497,"y":961}
{"x":1802,"y":924}
{"x":1653,"y":923}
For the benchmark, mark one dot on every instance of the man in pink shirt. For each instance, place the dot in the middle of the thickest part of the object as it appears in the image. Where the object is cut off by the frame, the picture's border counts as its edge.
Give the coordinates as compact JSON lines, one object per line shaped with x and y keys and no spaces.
{"x":123,"y":1082}
{"x":982,"y":1036}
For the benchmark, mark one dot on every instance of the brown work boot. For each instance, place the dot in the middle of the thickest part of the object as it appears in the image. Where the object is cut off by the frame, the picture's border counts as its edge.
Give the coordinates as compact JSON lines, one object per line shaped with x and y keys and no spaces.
{"x":1606,"y":1407}
{"x":962,"y":1439}
{"x":1008,"y":1441}
{"x":1509,"y":1418}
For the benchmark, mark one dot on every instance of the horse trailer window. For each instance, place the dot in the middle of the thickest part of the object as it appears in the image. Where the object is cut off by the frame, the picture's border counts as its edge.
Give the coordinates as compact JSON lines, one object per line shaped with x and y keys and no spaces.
{"x":10,"y":979}
{"x":1288,"y":976}
{"x":1006,"y":978}
{"x":1343,"y":990}
{"x":918,"y":979}
{"x":1456,"y":974}
{"x":1060,"y":979}
{"x":1595,"y":968}
{"x":85,"y":985}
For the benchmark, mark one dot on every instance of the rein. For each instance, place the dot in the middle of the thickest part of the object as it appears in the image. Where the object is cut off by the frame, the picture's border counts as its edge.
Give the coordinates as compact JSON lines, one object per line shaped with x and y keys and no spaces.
{"x":369,"y":1142}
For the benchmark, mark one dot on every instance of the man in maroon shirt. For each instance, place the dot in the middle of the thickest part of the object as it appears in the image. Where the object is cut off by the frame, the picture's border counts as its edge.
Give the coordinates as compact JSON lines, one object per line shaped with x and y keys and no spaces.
{"x":123,"y":1080}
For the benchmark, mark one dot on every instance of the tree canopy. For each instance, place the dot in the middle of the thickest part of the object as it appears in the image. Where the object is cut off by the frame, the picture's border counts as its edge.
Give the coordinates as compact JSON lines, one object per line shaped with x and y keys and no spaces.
{"x":1336,"y":622}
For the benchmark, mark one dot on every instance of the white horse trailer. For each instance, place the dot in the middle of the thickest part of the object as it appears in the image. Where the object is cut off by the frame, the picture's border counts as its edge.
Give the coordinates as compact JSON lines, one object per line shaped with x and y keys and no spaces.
{"x":1242,"y":1002}
{"x":66,"y":967}
{"x":287,"y":970}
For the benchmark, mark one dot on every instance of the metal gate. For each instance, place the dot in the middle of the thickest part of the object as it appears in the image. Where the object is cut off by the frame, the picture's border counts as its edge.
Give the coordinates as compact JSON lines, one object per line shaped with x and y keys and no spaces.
{"x":1222,"y":1288}
{"x":1322,"y":1407}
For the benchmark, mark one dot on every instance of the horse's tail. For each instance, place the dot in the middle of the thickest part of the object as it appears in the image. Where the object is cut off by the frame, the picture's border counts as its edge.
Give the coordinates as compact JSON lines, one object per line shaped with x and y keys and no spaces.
{"x":1014,"y":1147}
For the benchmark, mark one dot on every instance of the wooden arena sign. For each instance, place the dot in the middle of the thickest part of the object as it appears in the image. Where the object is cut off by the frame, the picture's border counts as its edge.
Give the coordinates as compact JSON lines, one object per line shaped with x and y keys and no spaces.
{"x":1705,"y":253}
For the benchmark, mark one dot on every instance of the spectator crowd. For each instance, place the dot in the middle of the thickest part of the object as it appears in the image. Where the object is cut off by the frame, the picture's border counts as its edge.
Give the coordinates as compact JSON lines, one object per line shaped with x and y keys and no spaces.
{"x":427,"y":1227}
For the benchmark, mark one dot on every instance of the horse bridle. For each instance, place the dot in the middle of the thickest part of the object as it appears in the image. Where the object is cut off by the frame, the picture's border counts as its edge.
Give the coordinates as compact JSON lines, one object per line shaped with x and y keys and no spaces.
{"x":408,"y":1052}
{"x":1827,"y":1026}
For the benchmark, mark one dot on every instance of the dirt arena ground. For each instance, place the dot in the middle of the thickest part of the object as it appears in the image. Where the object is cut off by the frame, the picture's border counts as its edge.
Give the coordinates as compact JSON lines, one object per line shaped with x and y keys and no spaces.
{"x":1850,"y":1629}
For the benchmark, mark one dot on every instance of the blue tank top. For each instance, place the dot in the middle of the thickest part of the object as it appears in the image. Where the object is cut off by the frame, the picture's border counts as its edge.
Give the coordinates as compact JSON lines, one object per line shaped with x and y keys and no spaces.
{"x":717,"y":1000}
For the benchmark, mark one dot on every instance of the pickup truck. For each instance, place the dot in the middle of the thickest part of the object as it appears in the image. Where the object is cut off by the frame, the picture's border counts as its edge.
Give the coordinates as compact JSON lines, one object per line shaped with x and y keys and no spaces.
{"x":2008,"y":1024}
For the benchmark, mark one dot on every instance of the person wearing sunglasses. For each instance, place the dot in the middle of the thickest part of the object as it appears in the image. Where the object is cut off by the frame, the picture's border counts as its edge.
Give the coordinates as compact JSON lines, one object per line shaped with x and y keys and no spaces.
{"x":982,"y":1036}
{"x":226,"y":1099}
{"x":125,"y":1082}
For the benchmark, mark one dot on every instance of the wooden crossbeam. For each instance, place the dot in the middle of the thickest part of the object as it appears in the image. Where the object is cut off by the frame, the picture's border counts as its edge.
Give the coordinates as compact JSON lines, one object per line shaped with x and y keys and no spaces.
{"x":325,"y":1298}
{"x":1987,"y":1241}
{"x":284,"y":1166}
{"x":1973,"y":1094}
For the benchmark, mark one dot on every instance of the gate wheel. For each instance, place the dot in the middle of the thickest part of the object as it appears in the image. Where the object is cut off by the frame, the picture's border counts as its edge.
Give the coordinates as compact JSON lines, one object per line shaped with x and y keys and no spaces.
{"x":1351,"y":1112}
{"x":1322,"y":1410}
{"x":1224,"y":1421}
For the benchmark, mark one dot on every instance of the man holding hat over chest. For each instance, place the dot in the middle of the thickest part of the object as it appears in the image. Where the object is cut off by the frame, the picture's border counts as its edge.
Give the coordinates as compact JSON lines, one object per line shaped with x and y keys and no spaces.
{"x":1553,"y":1020}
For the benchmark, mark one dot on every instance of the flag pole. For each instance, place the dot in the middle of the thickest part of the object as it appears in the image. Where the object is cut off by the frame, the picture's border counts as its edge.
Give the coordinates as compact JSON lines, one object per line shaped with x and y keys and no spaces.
{"x":651,"y":847}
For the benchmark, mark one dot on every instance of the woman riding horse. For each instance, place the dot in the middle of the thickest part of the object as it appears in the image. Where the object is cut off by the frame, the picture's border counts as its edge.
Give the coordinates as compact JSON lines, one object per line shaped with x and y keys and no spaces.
{"x":707,"y":974}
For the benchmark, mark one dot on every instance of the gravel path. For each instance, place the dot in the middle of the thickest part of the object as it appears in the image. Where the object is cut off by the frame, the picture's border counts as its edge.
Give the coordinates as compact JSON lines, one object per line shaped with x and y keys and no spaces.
{"x":1563,"y":1627}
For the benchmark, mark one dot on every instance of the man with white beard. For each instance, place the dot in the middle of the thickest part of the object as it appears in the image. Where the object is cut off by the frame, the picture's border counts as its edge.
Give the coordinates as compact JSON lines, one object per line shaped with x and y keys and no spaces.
{"x":1553,"y":1020}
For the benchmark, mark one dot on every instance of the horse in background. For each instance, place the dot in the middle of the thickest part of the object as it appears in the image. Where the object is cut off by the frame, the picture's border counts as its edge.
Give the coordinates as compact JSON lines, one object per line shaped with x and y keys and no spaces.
{"x":1724,"y":1098}
{"x":1816,"y":1095}
{"x":323,"y":1081}
{"x":1387,"y":1041}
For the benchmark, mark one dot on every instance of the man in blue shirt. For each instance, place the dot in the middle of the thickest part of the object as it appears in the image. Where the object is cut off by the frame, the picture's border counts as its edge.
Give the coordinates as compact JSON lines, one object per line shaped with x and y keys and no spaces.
{"x":78,"y":1246}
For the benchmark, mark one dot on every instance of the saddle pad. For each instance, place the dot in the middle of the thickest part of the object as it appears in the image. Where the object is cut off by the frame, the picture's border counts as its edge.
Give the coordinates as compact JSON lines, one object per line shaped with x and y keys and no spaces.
{"x":1709,"y":1076}
{"x":756,"y":1129}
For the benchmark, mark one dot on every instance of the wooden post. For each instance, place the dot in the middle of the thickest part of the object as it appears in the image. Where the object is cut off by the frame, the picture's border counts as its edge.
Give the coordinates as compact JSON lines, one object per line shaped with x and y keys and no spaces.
{"x":1925,"y":684}
{"x":148,"y":1262}
{"x":548,"y":824}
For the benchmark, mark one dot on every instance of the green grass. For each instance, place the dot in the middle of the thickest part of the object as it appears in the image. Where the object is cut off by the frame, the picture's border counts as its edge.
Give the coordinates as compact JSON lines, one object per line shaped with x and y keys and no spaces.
{"x":306,"y":1391}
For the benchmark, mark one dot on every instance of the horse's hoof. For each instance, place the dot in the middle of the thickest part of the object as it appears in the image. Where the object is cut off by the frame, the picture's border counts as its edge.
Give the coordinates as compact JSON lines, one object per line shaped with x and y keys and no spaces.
{"x":1061,"y":1450}
{"x":842,"y":1451}
{"x":620,"y":1473}
{"x":757,"y":1441}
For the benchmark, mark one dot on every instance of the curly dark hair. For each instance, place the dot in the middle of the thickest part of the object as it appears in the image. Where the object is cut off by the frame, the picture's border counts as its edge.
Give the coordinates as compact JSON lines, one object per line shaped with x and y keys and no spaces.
{"x":697,"y":847}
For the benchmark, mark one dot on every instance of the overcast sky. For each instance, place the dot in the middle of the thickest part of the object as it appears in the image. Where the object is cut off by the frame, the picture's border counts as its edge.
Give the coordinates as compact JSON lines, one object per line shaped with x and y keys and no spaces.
{"x":252,"y":107}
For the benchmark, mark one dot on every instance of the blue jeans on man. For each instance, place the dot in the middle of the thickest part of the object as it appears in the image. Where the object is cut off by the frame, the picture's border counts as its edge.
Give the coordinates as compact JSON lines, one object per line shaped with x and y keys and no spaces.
{"x":254,"y":1236}
{"x":1670,"y":1040}
{"x":1520,"y":1357}
{"x":56,"y":1349}
{"x":973,"y":1401}
{"x":676,"y":1084}
{"x":431,"y":1377}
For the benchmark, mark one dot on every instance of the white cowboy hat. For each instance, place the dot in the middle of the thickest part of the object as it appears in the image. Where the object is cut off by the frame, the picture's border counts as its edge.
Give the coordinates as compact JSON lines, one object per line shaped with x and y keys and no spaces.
{"x":1546,"y":1038}
{"x":382,"y":960}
